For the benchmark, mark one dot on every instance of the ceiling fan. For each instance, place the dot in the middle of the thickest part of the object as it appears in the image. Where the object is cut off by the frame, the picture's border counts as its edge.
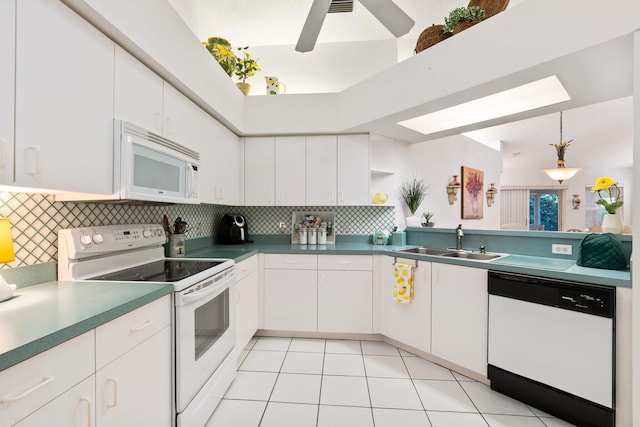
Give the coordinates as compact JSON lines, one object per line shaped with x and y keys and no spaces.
{"x":386,"y":11}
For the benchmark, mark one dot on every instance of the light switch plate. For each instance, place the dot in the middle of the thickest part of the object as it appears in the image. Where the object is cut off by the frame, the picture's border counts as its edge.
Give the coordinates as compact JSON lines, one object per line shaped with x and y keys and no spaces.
{"x":560,"y":249}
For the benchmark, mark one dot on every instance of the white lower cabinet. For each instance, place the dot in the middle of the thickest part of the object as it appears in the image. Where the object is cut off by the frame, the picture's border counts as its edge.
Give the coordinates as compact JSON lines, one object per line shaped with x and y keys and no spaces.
{"x":74,"y":408}
{"x":325,"y":293}
{"x":345,"y":293}
{"x":32,"y":384}
{"x":459,"y":315}
{"x":118,"y":374}
{"x":290,"y":300}
{"x":407,"y":323}
{"x":135,"y":389}
{"x":246,"y":302}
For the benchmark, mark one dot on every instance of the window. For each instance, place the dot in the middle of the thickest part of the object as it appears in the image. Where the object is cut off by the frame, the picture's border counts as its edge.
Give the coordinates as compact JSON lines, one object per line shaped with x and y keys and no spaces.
{"x":543,"y":210}
{"x":593,"y":213}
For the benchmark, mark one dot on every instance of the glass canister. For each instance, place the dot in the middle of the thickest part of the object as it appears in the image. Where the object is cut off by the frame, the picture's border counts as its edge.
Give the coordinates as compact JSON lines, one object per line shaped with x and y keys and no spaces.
{"x":313,"y":236}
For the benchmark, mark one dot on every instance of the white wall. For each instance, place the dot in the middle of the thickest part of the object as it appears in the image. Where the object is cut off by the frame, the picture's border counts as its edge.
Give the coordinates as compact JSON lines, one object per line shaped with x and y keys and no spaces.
{"x":436,"y":161}
{"x":587,"y":177}
{"x":330,"y":67}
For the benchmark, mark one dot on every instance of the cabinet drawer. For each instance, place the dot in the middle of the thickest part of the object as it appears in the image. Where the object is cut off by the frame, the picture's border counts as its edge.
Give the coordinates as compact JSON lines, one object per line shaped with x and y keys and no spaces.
{"x":345,"y":262}
{"x":246,"y":267}
{"x":29,"y":385}
{"x":291,"y":261}
{"x":125,"y":332}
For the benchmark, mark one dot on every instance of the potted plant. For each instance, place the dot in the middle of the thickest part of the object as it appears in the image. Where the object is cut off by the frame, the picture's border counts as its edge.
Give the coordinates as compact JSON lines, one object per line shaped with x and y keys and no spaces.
{"x":221,"y":50}
{"x":427,"y":219}
{"x":611,"y":223}
{"x":469,"y":15}
{"x":245,"y":67}
{"x":413,"y":192}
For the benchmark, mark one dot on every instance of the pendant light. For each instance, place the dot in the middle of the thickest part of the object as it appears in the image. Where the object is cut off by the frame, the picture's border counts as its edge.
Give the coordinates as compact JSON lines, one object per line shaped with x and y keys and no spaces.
{"x":560,"y":172}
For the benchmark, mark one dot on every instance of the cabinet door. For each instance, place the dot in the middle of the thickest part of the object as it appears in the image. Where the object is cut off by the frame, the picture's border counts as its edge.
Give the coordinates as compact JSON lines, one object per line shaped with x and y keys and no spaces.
{"x":73,"y":408}
{"x":290,"y":300}
{"x":64,"y":100}
{"x":290,"y":171}
{"x":322,"y":167}
{"x":135,"y":389}
{"x":246,"y":302}
{"x":354,"y":170}
{"x":460,"y":315}
{"x":138,"y":93}
{"x":7,"y":89}
{"x":407,"y":323}
{"x":259,"y":171}
{"x":229,"y":158}
{"x":345,"y":301}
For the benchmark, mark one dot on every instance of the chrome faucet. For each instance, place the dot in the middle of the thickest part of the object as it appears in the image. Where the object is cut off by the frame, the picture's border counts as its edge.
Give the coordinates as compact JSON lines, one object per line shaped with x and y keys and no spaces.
{"x":459,"y":234}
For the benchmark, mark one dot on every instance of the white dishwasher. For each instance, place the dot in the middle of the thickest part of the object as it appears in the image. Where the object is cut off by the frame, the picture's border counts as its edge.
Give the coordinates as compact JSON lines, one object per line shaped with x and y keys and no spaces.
{"x":551,"y":345}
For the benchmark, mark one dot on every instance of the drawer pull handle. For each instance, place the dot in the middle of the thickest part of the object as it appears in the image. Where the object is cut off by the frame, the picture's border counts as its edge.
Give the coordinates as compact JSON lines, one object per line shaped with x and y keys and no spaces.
{"x":114,"y":403}
{"x":143,"y":326}
{"x":89,"y":410}
{"x":345,"y":262}
{"x":44,"y":382}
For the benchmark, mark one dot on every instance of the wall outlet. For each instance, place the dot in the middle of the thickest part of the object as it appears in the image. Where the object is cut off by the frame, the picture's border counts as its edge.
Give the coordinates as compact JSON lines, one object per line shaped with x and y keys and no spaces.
{"x":560,"y":249}
{"x":282,"y":226}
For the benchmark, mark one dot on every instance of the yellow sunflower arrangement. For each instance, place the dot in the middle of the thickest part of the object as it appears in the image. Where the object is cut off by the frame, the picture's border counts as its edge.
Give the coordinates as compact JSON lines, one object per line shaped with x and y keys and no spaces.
{"x":611,"y":202}
{"x":221,"y":50}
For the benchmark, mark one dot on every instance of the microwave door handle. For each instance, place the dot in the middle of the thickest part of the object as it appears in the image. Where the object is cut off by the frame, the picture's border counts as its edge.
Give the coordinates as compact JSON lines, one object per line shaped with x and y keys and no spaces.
{"x":189,"y":179}
{"x":198,"y":295}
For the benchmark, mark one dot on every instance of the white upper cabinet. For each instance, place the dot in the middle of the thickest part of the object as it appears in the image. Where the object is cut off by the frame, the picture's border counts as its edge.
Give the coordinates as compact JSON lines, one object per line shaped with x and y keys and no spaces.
{"x":229,"y":157}
{"x":63,"y":100}
{"x":290,"y":171}
{"x":7,"y":75}
{"x":259,"y":171}
{"x":138,"y":93}
{"x":353,"y":170}
{"x":322,"y":170}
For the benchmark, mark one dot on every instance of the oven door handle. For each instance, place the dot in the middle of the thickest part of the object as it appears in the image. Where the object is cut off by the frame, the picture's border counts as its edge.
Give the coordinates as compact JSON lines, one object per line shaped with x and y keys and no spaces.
{"x":209,"y":290}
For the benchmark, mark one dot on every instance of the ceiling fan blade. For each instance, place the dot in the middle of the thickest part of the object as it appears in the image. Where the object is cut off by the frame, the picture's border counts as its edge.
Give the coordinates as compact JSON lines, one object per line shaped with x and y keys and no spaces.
{"x":312,"y":25}
{"x":390,"y":15}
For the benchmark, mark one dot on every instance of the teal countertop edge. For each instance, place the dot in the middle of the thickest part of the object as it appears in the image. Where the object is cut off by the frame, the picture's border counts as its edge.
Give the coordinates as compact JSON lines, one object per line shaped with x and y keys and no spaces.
{"x":526,"y":265}
{"x":40,"y":317}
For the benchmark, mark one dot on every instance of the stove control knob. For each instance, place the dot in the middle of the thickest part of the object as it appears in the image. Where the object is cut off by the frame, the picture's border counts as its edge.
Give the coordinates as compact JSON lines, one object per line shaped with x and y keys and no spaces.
{"x":146,"y":233}
{"x":85,"y":240}
{"x":97,"y":238}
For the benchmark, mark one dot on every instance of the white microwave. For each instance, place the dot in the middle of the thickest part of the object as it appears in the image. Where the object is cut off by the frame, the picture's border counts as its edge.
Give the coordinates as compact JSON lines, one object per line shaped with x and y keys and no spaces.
{"x":153,"y":168}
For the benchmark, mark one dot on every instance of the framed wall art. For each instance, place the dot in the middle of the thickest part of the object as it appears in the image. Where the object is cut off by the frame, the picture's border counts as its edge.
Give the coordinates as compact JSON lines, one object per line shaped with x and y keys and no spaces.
{"x":472,"y":192}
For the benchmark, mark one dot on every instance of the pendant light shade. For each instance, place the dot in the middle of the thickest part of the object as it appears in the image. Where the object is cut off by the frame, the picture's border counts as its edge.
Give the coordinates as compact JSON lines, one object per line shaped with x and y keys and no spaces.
{"x":561,"y":173}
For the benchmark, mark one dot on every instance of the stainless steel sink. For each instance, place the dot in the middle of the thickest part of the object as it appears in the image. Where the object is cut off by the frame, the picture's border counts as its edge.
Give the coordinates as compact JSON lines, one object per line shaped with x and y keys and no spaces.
{"x":452,"y":253}
{"x":472,"y":255}
{"x":426,"y":251}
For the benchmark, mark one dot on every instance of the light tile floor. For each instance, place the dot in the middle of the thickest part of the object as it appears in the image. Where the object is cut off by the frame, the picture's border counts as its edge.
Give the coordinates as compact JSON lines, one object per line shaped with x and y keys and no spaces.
{"x":297,"y":382}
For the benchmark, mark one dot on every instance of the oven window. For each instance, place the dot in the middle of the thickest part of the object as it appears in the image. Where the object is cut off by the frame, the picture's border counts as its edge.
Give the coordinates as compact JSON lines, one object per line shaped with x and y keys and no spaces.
{"x":211,"y":321}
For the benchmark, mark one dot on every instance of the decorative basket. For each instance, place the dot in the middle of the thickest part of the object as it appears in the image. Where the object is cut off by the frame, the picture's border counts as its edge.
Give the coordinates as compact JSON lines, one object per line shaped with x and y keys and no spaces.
{"x":490,"y":7}
{"x":463,"y":26}
{"x":431,"y":36}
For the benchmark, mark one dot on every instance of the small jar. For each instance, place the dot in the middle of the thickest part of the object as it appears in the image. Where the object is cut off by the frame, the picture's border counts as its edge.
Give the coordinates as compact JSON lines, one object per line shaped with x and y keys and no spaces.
{"x":302,"y":236}
{"x":313,"y":236}
{"x":322,"y":236}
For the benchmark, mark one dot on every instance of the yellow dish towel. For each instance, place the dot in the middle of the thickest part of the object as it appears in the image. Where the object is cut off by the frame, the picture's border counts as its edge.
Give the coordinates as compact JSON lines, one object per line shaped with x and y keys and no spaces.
{"x":403,"y":283}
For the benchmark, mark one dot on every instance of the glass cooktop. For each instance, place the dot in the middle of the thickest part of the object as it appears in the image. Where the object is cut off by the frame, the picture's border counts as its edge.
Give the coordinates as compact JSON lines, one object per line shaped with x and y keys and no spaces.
{"x":160,"y":271}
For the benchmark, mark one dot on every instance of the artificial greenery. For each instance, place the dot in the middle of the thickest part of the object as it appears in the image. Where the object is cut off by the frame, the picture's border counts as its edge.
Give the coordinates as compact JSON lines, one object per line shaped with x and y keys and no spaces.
{"x":413,"y":192}
{"x":427,"y":217}
{"x":462,"y":14}
{"x":245,"y":65}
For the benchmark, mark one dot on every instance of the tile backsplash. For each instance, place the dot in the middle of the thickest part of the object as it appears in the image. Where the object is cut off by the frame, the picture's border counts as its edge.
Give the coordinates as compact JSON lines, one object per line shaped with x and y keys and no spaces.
{"x":36,"y":218}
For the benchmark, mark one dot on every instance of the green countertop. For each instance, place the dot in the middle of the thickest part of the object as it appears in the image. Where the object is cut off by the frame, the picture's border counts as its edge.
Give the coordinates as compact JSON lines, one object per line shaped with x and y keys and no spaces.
{"x":40,"y":317}
{"x":557,"y":268}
